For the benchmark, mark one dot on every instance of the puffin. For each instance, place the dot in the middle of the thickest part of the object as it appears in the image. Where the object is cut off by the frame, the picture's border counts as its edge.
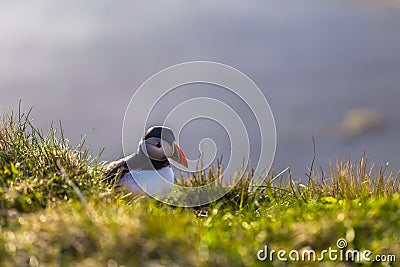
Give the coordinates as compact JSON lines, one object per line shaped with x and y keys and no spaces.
{"x":148,"y":171}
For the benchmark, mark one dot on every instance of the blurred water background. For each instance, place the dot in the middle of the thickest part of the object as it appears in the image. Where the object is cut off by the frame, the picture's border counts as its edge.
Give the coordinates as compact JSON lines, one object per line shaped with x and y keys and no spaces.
{"x":329,"y":69}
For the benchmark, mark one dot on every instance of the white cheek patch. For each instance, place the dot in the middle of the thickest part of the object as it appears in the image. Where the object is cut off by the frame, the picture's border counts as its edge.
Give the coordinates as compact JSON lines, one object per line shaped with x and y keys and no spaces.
{"x":154,"y":152}
{"x":151,"y":150}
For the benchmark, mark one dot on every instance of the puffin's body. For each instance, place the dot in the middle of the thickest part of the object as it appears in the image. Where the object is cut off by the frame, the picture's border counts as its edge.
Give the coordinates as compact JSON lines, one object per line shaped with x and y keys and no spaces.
{"x":149,"y":171}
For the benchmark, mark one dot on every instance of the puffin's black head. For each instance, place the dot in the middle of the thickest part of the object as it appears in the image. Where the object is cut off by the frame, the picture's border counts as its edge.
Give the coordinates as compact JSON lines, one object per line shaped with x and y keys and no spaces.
{"x":160,"y":132}
{"x":160,"y":144}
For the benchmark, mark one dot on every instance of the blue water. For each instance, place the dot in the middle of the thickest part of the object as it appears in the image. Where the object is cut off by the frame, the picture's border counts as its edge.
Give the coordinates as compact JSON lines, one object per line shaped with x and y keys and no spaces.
{"x":80,"y":62}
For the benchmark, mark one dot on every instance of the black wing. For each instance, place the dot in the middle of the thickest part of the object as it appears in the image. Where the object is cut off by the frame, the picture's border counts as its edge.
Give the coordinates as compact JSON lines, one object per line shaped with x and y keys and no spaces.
{"x":115,"y":170}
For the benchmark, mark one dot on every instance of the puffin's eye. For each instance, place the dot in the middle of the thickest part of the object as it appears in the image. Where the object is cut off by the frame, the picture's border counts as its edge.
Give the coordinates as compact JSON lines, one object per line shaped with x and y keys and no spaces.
{"x":158,"y":145}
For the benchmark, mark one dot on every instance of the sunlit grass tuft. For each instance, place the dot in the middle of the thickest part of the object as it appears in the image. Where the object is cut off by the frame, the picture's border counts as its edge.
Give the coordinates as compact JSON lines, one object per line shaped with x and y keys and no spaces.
{"x":39,"y":168}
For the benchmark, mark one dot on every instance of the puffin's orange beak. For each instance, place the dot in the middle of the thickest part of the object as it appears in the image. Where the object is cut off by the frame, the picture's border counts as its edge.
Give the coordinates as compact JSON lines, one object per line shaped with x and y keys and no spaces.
{"x":178,"y":155}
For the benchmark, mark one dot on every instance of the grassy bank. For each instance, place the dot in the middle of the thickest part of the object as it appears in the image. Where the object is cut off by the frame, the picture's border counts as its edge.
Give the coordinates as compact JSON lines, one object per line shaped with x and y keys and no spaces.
{"x":55,"y":211}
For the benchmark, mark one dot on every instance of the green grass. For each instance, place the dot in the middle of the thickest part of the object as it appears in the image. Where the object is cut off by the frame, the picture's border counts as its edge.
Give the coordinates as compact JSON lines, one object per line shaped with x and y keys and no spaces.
{"x":54,"y":211}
